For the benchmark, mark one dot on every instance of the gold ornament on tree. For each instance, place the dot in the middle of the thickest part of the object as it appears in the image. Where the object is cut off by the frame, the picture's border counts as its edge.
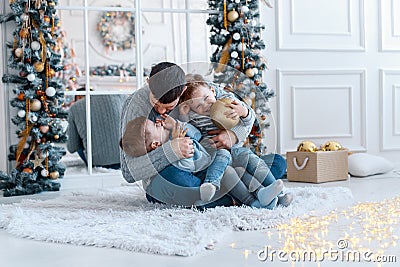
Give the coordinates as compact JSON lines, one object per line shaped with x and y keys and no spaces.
{"x":35,"y":105}
{"x":250,"y":73}
{"x":307,"y":146}
{"x":38,"y":66}
{"x":54,"y":175}
{"x":233,"y":15}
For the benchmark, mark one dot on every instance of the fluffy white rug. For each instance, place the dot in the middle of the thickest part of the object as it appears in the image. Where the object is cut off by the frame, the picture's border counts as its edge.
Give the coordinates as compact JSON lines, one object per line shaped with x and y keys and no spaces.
{"x":122,"y":218}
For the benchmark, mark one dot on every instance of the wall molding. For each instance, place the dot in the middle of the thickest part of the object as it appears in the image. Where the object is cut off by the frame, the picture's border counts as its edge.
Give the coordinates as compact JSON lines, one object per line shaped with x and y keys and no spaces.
{"x":394,"y":90}
{"x":360,"y":133}
{"x":358,"y":42}
{"x":350,"y":90}
{"x":389,"y":40}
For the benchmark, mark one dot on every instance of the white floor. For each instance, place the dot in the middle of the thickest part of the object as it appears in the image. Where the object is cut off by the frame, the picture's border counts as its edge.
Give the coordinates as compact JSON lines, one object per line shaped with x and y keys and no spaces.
{"x":238,"y":249}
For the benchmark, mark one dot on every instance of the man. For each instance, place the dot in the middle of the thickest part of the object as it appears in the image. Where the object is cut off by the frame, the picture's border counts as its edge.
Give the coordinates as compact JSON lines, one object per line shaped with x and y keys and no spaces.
{"x":105,"y":122}
{"x":161,"y":96}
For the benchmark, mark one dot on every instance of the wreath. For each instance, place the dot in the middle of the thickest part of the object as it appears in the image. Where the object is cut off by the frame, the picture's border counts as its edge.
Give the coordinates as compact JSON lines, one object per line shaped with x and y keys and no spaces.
{"x":117,"y":30}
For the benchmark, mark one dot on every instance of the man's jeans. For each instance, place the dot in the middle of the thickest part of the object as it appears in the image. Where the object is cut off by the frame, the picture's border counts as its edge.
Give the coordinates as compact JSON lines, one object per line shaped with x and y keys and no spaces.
{"x":175,"y":186}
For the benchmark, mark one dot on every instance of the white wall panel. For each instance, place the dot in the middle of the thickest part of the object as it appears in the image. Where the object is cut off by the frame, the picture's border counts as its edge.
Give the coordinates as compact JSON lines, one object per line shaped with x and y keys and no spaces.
{"x":322,"y":111}
{"x":320,"y":25}
{"x":321,"y":105}
{"x":390,"y":25}
{"x":390,"y":110}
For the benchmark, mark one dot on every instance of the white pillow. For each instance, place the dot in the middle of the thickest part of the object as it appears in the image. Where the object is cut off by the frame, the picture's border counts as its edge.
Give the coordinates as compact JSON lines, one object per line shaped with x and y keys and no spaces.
{"x":362,"y":164}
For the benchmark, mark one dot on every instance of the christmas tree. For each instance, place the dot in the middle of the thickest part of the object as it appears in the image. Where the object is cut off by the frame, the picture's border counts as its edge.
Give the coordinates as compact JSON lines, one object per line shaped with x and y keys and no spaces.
{"x":236,"y":33}
{"x":39,"y":118}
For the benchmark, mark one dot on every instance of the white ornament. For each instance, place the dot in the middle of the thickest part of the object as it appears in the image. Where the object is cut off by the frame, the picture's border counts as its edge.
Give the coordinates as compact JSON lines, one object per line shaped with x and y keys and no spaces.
{"x":21,"y":113}
{"x":35,"y":45}
{"x":255,"y":71}
{"x":245,"y":9}
{"x":237,"y":1}
{"x":258,"y":111}
{"x":24,"y":17}
{"x":50,"y":91}
{"x":241,"y":46}
{"x":26,"y":145}
{"x":31,"y":77}
{"x":253,"y":23}
{"x":236,"y":36}
{"x":18,"y":52}
{"x":44,"y":173}
{"x":234,"y":54}
{"x":224,"y":32}
{"x":252,"y":95}
{"x":33,"y":117}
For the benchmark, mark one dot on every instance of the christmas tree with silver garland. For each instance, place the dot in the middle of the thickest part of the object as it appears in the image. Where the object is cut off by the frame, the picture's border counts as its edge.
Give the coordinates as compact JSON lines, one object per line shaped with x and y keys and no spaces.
{"x":236,"y":33}
{"x":40,"y":120}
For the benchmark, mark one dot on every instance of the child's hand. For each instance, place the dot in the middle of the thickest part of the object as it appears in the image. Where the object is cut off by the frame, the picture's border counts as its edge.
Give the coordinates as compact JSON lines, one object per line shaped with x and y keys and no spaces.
{"x":237,"y":110}
{"x":168,"y":122}
{"x":179,"y":130}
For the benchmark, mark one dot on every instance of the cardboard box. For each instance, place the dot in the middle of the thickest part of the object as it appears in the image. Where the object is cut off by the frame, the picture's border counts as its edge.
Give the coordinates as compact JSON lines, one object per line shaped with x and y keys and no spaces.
{"x":317,"y":167}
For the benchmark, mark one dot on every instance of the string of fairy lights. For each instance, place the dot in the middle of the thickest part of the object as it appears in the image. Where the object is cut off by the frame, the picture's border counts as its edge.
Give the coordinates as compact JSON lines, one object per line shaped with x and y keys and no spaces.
{"x":366,"y":229}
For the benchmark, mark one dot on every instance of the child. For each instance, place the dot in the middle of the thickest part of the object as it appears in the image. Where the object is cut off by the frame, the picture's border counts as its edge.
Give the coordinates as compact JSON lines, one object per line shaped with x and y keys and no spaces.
{"x":195,"y":105}
{"x":155,"y":134}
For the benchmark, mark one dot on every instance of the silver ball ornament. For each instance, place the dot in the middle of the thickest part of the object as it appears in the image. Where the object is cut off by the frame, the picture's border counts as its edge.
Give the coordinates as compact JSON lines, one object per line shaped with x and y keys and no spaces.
{"x":236,"y":36}
{"x":234,"y":54}
{"x":245,"y":9}
{"x":241,"y":47}
{"x":21,"y":113}
{"x":50,"y":91}
{"x":44,"y":173}
{"x":18,"y":52}
{"x":24,"y":17}
{"x":31,"y":77}
{"x":35,"y":45}
{"x":33,"y":118}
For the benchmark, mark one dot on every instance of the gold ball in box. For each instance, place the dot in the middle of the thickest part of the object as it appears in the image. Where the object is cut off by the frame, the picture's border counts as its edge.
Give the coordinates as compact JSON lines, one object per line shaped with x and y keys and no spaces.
{"x":332,"y":146}
{"x":307,"y":146}
{"x":219,"y":118}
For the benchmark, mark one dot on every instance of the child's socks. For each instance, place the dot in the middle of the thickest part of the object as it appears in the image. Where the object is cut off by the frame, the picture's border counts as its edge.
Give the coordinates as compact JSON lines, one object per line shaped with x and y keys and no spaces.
{"x":207,"y":191}
{"x":267,"y":194}
{"x":285,"y":199}
{"x":272,"y":204}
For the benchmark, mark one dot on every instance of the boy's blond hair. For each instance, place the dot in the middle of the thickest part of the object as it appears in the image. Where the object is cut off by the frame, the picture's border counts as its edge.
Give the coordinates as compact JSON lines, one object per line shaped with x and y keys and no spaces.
{"x":192,"y":82}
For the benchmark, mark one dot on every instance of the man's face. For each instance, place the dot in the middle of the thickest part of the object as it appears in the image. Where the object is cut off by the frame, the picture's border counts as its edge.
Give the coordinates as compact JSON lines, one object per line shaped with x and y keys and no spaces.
{"x":162,"y":108}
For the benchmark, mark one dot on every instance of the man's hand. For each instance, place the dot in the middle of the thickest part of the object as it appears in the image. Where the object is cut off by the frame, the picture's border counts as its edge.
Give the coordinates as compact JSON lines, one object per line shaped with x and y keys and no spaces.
{"x":223,"y":139}
{"x":183,"y":147}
